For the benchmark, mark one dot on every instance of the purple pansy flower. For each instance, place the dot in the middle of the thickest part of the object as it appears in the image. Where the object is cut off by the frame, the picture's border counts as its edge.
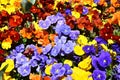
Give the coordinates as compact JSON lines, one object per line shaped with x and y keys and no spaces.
{"x":33,"y":63}
{"x":51,"y":61}
{"x":94,"y":62}
{"x":20,"y":60}
{"x":65,"y":29}
{"x":68,"y":11}
{"x":44,"y":23}
{"x":68,"y":69}
{"x":104,"y":59}
{"x":99,"y":75}
{"x":24,"y":70}
{"x":100,"y":40}
{"x":117,"y":72}
{"x":118,"y":58}
{"x":53,"y":19}
{"x":96,"y":1}
{"x":116,"y":47}
{"x":74,"y":34}
{"x":60,"y":40}
{"x":58,"y":70}
{"x":85,"y":10}
{"x":55,"y":50}
{"x":68,"y":47}
{"x":89,"y":49}
{"x":46,"y":49}
{"x":20,"y":48}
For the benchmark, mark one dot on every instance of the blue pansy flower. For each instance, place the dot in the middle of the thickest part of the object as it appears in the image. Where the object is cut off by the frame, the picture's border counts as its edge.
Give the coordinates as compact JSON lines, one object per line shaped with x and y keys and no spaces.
{"x":45,"y":24}
{"x":89,"y":49}
{"x":74,"y":34}
{"x":68,"y":11}
{"x":20,"y":48}
{"x":85,"y":10}
{"x":104,"y":59}
{"x":33,"y":63}
{"x":68,"y":47}
{"x":20,"y":59}
{"x":96,"y":1}
{"x":116,"y":48}
{"x":99,"y":75}
{"x":100,"y":40}
{"x":53,"y":19}
{"x":65,"y":29}
{"x":51,"y":61}
{"x":55,"y":50}
{"x":46,"y":49}
{"x":24,"y":70}
{"x":58,"y":70}
{"x":68,"y":69}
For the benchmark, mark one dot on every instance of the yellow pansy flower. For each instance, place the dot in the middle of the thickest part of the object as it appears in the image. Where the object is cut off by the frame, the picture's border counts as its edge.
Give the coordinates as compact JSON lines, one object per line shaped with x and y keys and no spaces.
{"x":87,"y":2}
{"x":47,"y":69}
{"x":94,"y":4}
{"x":110,"y":41}
{"x":10,"y":8}
{"x":6,"y":44}
{"x":104,"y":47}
{"x":36,"y":26}
{"x":76,"y":14}
{"x":4,"y":2}
{"x":9,"y":63}
{"x":97,"y":10}
{"x":90,"y":17}
{"x":78,"y":50}
{"x":69,"y":62}
{"x":6,"y":76}
{"x":12,"y":2}
{"x":93,"y":42}
{"x":4,"y":28}
{"x":81,"y":74}
{"x":82,"y":40}
{"x":86,"y":63}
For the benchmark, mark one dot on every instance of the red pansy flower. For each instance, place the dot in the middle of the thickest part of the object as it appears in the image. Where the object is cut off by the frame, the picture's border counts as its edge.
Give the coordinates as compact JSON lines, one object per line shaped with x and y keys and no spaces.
{"x":14,"y":35}
{"x":15,"y":20}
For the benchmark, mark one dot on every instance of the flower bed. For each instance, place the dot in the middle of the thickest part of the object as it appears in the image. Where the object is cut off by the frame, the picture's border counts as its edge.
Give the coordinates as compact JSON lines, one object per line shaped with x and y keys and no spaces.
{"x":59,"y":40}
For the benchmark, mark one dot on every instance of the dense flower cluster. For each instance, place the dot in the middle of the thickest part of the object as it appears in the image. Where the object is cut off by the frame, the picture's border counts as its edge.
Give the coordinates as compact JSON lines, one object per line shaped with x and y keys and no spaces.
{"x":59,"y":40}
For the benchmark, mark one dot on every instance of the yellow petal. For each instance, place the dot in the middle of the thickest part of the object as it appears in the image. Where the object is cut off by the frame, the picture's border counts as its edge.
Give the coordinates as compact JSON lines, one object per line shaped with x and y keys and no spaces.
{"x":76,"y":14}
{"x":85,"y":64}
{"x":69,"y":62}
{"x":82,"y":40}
{"x":78,"y":50}
{"x":10,"y":66}
{"x":47,"y":70}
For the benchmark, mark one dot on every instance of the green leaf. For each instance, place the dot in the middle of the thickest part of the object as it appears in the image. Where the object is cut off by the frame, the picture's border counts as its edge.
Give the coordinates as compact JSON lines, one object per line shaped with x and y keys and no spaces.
{"x":26,"y":5}
{"x":24,"y":40}
{"x":2,"y":71}
{"x":33,"y":1}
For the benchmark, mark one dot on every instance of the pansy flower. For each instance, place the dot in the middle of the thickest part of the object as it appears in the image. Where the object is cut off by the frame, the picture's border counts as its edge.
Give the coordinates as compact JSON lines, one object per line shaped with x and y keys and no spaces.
{"x":85,"y":10}
{"x":104,"y":59}
{"x":24,"y":70}
{"x":57,"y":70}
{"x":26,"y":33}
{"x":74,"y":34}
{"x":15,"y":21}
{"x":68,"y":47}
{"x":99,"y":75}
{"x":84,"y":22}
{"x":6,"y":43}
{"x":44,"y":23}
{"x":89,"y":49}
{"x":85,"y":64}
